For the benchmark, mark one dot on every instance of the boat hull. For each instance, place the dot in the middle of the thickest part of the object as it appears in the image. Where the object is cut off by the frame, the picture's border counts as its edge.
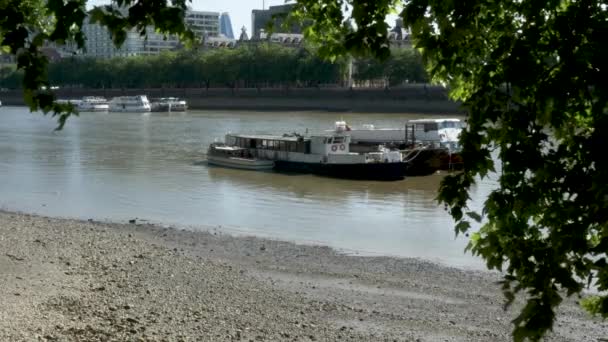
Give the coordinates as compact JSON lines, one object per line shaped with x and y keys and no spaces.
{"x":167,"y":108}
{"x":97,"y":108}
{"x":241,"y":163}
{"x":364,"y":171}
{"x":129,"y":110}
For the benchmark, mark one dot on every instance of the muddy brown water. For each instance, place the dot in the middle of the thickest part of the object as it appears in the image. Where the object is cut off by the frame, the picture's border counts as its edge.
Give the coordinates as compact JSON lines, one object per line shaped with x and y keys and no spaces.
{"x":119,"y":166}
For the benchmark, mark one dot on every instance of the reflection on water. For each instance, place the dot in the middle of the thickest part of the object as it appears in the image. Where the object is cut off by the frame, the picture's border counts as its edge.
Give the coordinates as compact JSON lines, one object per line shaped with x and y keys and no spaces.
{"x":118,"y":166}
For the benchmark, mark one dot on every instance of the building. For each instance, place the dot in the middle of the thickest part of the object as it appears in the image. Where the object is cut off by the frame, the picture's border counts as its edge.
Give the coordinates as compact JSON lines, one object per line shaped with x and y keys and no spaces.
{"x":99,"y":43}
{"x":203,"y":23}
{"x":398,"y":36}
{"x":286,"y":39}
{"x":260,"y":19}
{"x":226,"y":26}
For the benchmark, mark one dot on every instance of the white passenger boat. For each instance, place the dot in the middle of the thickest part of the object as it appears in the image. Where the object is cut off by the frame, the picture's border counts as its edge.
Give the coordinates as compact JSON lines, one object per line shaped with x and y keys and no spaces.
{"x":93,"y":104}
{"x":137,"y":104}
{"x":440,"y":131}
{"x":236,"y":157}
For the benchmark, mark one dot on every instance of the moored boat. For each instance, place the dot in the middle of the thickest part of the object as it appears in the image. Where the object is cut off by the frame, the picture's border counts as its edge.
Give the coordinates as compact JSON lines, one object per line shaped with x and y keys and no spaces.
{"x":93,"y":104}
{"x":137,"y":104}
{"x":236,"y":157}
{"x":326,"y":154}
{"x":168,"y":104}
{"x":441,"y":132}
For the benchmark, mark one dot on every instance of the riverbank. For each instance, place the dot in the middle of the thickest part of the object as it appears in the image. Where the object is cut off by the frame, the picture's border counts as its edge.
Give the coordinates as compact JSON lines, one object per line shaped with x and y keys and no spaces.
{"x":67,"y":280}
{"x":408,"y":99}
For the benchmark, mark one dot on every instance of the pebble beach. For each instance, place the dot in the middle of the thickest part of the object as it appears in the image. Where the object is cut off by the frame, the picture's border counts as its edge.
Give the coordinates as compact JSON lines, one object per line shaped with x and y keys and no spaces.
{"x":72,"y":280}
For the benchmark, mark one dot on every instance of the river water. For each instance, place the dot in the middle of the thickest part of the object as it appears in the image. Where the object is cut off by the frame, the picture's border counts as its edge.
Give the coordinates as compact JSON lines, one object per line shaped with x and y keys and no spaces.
{"x":118,"y":166}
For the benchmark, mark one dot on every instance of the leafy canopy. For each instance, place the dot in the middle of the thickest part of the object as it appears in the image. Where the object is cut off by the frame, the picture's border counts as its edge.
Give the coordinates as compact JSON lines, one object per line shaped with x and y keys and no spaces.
{"x":533,"y":77}
{"x":28,"y":25}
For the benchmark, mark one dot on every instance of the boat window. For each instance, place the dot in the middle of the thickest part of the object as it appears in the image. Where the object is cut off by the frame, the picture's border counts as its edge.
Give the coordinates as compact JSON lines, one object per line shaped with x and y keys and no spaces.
{"x":264,"y":144}
{"x":338,"y":140}
{"x":283,"y":146}
{"x":430,"y":126}
{"x":330,"y":140}
{"x":449,"y":124}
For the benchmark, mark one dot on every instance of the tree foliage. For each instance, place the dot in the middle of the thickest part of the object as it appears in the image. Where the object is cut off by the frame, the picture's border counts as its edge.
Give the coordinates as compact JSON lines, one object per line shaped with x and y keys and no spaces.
{"x":248,"y":65}
{"x":403,"y":65}
{"x":259,"y":65}
{"x":28,"y":25}
{"x":533,"y":77}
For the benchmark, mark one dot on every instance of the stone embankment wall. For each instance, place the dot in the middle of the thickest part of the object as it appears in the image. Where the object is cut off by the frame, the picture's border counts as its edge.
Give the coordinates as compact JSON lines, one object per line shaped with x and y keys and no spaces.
{"x":409,"y":99}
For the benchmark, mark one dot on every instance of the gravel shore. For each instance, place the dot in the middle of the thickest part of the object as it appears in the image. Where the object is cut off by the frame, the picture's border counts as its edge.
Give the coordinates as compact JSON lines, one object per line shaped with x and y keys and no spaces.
{"x":69,"y":280}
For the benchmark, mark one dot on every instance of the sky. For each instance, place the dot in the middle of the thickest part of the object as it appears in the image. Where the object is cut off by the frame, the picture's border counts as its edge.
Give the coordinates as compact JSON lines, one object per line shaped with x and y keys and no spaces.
{"x":239,"y":10}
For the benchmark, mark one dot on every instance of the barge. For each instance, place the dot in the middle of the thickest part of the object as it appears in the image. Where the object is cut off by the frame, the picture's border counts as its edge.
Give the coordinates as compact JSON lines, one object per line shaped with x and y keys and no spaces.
{"x":327,"y":155}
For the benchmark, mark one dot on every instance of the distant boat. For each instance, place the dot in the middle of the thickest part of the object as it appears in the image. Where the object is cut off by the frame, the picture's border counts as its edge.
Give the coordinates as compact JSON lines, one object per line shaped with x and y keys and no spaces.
{"x":136,"y":104}
{"x":93,"y":104}
{"x":168,"y":104}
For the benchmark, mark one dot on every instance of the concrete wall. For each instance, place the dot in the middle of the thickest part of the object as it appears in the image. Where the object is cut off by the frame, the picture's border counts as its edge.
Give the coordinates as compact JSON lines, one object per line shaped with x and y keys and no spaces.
{"x":416,"y":98}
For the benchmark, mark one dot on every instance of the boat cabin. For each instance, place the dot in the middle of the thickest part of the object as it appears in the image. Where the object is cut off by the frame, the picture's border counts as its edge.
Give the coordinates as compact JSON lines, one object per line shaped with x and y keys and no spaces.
{"x":323,"y":145}
{"x":443,"y":131}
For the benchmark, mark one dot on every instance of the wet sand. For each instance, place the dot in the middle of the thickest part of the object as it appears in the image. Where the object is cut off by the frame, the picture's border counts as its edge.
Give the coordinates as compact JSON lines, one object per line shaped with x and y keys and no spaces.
{"x":69,"y":280}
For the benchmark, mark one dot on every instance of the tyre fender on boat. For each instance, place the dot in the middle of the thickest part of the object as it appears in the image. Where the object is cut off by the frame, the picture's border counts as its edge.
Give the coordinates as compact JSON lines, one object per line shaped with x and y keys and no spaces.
{"x":342,"y":147}
{"x":334,"y":148}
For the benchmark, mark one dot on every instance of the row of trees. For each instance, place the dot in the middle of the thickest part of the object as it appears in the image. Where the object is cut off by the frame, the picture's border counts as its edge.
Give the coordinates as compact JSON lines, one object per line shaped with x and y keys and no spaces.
{"x":262,"y":65}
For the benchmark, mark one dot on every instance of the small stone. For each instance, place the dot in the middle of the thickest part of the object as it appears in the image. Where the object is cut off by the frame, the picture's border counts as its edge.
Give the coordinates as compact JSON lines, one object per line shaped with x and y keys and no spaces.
{"x":263,"y":248}
{"x":127,"y":307}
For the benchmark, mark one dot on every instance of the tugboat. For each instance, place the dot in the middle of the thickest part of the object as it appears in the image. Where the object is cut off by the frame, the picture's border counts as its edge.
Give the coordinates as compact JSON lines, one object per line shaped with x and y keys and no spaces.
{"x":326,"y":155}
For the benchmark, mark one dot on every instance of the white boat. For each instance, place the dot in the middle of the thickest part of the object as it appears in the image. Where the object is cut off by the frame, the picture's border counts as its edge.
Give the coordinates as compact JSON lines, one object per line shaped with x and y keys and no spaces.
{"x":137,"y":104}
{"x":236,"y":157}
{"x":93,"y":104}
{"x":73,"y":102}
{"x":168,"y":104}
{"x":441,"y":131}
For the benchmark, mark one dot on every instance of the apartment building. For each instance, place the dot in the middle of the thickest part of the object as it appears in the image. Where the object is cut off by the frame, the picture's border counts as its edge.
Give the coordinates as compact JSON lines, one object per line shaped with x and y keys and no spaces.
{"x":99,"y":43}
